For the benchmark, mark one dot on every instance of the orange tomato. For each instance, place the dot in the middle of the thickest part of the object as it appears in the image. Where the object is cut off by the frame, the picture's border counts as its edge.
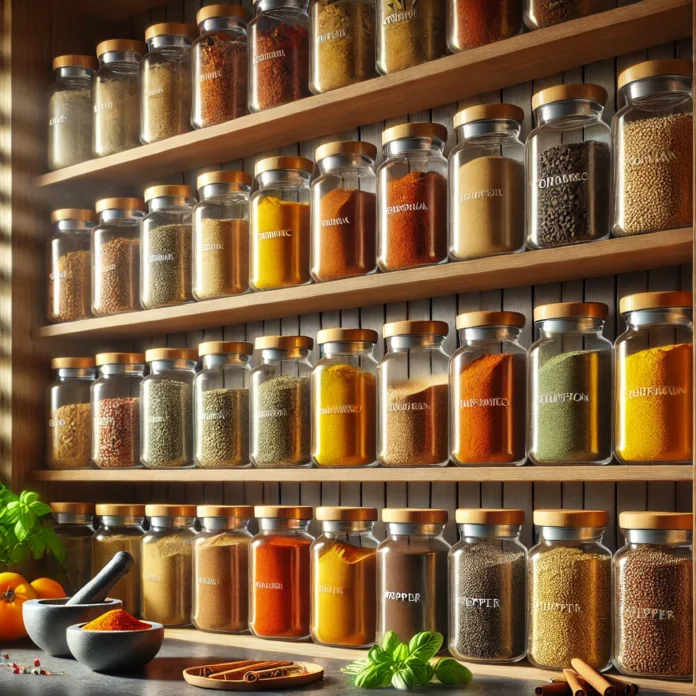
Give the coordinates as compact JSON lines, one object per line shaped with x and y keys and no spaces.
{"x":14,"y":591}
{"x":46,"y":588}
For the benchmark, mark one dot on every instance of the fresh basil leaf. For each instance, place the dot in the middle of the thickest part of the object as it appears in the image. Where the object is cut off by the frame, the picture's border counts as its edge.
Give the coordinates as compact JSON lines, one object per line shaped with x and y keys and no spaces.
{"x":40,"y":509}
{"x":28,"y":497}
{"x":390,"y":642}
{"x":419,"y":669}
{"x":373,"y":676}
{"x":401,"y":653}
{"x":452,"y":673}
{"x":425,"y":645}
{"x":377,"y":656}
{"x":430,"y":672}
{"x":404,"y":679}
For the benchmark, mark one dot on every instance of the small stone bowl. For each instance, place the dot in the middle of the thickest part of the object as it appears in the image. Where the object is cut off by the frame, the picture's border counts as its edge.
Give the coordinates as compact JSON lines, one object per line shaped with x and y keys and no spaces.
{"x":115,"y":651}
{"x":46,"y":621}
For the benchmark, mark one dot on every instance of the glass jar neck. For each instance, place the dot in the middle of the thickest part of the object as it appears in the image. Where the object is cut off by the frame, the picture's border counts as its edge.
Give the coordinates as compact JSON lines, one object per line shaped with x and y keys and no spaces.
{"x":570,"y":114}
{"x":570,"y":325}
{"x":75,"y":74}
{"x":419,"y":147}
{"x":275,"y":524}
{"x":475,"y":532}
{"x":267,"y":5}
{"x":666,"y":316}
{"x":426,"y":530}
{"x":338,"y":348}
{"x":282,"y":179}
{"x":170,"y":204}
{"x":75,"y":227}
{"x":120,"y":59}
{"x":121,"y":215}
{"x":66,"y":373}
{"x":590,"y":534}
{"x":489,"y":333}
{"x":345,"y":164}
{"x":271,"y":355}
{"x":224,"y":193}
{"x":495,"y":131}
{"x":134,"y":370}
{"x":236,"y":24}
{"x":157,"y":366}
{"x":119,"y":521}
{"x":70,"y":518}
{"x":402,"y":343}
{"x":339,"y":527}
{"x":169,"y":43}
{"x":238,"y":359}
{"x":668,"y":89}
{"x":223,"y":524}
{"x":659,"y":537}
{"x":159,"y":524}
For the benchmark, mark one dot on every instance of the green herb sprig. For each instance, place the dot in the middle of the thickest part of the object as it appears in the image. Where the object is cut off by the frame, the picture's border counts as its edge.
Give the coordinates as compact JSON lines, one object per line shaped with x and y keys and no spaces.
{"x":407,"y":667}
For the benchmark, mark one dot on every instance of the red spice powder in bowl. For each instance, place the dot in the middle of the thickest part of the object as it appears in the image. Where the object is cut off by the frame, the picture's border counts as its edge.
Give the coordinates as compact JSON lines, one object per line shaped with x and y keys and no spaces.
{"x":116,"y":620}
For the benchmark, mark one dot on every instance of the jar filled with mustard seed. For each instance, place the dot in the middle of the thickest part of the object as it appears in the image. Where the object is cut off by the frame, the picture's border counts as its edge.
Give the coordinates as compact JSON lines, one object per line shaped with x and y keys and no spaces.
{"x":343,"y":568}
{"x":280,"y":398}
{"x":279,"y":575}
{"x":652,"y":140}
{"x":165,"y":82}
{"x":654,"y":383}
{"x":653,"y":596}
{"x":488,"y":587}
{"x":166,"y":398}
{"x":344,"y":399}
{"x":474,"y":23}
{"x":69,"y":264}
{"x":568,"y":167}
{"x":120,"y":529}
{"x":165,"y":255}
{"x":221,"y":235}
{"x":70,"y":111}
{"x":570,"y":385}
{"x":413,"y":395}
{"x":221,"y":393}
{"x":486,"y":182}
{"x":570,"y":590}
{"x":116,"y":97}
{"x":166,"y":577}
{"x":545,"y":13}
{"x":280,"y":223}
{"x":116,"y":410}
{"x":116,"y":251}
{"x":488,"y":391}
{"x":221,"y":569}
{"x":412,"y":197}
{"x":73,"y":523}
{"x":344,"y":218}
{"x":69,"y":422}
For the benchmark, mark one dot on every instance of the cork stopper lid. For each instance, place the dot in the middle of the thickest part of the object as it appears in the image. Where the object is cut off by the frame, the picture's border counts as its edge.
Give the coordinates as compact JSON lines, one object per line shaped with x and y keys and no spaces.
{"x":565,"y":310}
{"x":213,"y":11}
{"x":73,"y":363}
{"x":225,"y":348}
{"x":656,"y":520}
{"x":120,"y":359}
{"x":125,"y":45}
{"x":347,"y":514}
{"x":415,"y":328}
{"x":158,"y":510}
{"x":73,"y":508}
{"x":550,"y":95}
{"x":120,"y":204}
{"x":224,"y":176}
{"x":283,"y":342}
{"x":272,"y":164}
{"x":345,"y":147}
{"x":484,"y":112}
{"x":171,"y":354}
{"x":74,"y":214}
{"x":415,"y":515}
{"x":75,"y":61}
{"x":571,"y":518}
{"x":334,"y":335}
{"x":655,"y":300}
{"x":171,"y":191}
{"x":120,"y":510}
{"x":470,"y":320}
{"x":678,"y":67}
{"x":489,"y":516}
{"x":171,"y":29}
{"x":229,"y":511}
{"x":285,"y":512}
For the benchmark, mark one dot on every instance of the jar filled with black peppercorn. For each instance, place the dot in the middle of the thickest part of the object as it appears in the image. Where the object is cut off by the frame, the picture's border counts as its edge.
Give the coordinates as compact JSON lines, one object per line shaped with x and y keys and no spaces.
{"x":568,"y":167}
{"x":279,"y":53}
{"x":545,"y":13}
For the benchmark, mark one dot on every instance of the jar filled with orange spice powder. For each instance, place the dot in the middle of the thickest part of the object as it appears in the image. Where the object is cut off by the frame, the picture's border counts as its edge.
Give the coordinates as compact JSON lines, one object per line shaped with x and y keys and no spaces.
{"x":488,"y":390}
{"x":279,"y":577}
{"x":412,"y":197}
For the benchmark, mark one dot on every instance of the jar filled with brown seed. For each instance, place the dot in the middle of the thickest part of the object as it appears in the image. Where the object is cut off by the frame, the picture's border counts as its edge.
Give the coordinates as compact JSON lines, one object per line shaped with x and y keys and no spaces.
{"x":165,"y":241}
{"x":69,"y":264}
{"x":653,"y":596}
{"x":116,"y":252}
{"x":569,"y":589}
{"x":221,"y":235}
{"x":653,"y":136}
{"x":222,"y":405}
{"x":547,"y":13}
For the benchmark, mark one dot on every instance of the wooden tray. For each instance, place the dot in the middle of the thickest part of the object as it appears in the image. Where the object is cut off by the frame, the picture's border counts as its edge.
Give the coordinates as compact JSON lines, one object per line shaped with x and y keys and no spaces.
{"x":314,"y":673}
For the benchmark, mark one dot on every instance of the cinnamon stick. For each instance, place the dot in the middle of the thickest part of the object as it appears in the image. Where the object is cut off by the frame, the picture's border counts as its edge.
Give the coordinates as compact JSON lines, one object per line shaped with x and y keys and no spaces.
{"x":554,"y":689}
{"x":621,"y":686}
{"x":593,"y":677}
{"x":207,"y":670}
{"x":256,"y":675}
{"x":576,"y":687}
{"x":238,"y":673}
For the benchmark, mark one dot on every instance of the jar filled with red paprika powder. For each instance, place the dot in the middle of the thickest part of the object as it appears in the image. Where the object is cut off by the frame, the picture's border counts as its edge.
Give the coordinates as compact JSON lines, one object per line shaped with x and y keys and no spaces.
{"x":344,"y":222}
{"x":473,"y":23}
{"x":279,"y":577}
{"x":278,"y":53}
{"x":412,"y":197}
{"x":220,"y":65}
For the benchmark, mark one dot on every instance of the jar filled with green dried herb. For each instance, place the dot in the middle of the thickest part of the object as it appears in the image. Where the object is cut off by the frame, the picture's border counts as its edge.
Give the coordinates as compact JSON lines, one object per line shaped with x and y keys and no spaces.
{"x":165,"y":247}
{"x":74,"y":527}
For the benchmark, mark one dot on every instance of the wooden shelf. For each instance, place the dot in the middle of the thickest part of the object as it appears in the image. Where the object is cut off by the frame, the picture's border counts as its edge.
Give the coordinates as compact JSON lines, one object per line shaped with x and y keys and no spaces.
{"x":526,"y":57}
{"x":113,"y":10}
{"x":660,"y":249}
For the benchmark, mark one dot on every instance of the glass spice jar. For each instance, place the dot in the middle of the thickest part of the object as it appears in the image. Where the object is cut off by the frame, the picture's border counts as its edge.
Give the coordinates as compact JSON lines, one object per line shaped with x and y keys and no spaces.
{"x":116,"y":97}
{"x":280,"y":398}
{"x":221,"y":391}
{"x":488,"y":587}
{"x":412,"y":573}
{"x":412,"y":197}
{"x":221,"y":569}
{"x":654,"y":379}
{"x":69,"y":413}
{"x":652,"y":137}
{"x":278,"y":53}
{"x":344,"y":211}
{"x":220,"y":65}
{"x":221,"y":235}
{"x":344,"y":399}
{"x":165,"y":82}
{"x":413,"y":393}
{"x":568,"y":167}
{"x":73,"y":525}
{"x":570,"y":590}
{"x":120,"y":529}
{"x":70,"y":111}
{"x":488,"y":391}
{"x":165,"y":256}
{"x":279,"y":576}
{"x":166,"y":578}
{"x":342,"y":51}
{"x":474,"y":23}
{"x":539,"y":14}
{"x":69,"y":264}
{"x":116,"y":251}
{"x":280,"y":223}
{"x":343,"y":568}
{"x":653,"y":596}
{"x":166,"y":397}
{"x":570,"y":382}
{"x":486,"y":182}
{"x":115,"y":398}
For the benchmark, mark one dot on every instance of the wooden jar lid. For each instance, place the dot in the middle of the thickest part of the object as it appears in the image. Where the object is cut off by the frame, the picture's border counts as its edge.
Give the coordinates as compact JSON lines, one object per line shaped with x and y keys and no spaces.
{"x":345,"y":147}
{"x":655,"y":300}
{"x":489,"y":516}
{"x":415,"y":515}
{"x":415,"y":328}
{"x":484,"y":112}
{"x":120,"y":510}
{"x":550,"y":95}
{"x":656,"y":520}
{"x":285,"y":512}
{"x":337,"y":335}
{"x":679,"y":67}
{"x":73,"y":363}
{"x":347,"y":514}
{"x":229,"y":511}
{"x":283,"y":342}
{"x":165,"y":510}
{"x":73,"y":508}
{"x":565,"y":310}
{"x":415,"y":130}
{"x":470,"y":320}
{"x":120,"y":359}
{"x":225,"y":348}
{"x":571,"y":518}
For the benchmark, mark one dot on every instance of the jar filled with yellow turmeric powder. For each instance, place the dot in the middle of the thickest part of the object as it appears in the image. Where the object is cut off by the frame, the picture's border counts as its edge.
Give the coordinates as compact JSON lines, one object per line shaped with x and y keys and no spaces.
{"x":488,"y":391}
{"x":344,"y":399}
{"x":343,"y":569}
{"x":654,"y":383}
{"x":279,"y":217}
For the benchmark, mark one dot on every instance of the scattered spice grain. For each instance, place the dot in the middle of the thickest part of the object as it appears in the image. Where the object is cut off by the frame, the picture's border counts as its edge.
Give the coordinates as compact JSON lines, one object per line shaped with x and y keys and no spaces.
{"x":223,"y":422}
{"x":117,"y":433}
{"x":167,"y":280}
{"x":69,"y":441}
{"x":223,"y":258}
